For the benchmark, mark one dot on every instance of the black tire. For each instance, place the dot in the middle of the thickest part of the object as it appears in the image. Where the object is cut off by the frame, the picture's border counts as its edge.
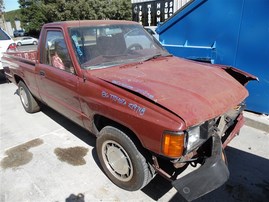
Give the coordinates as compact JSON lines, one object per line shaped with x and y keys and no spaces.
{"x":35,"y":43}
{"x":124,"y":165}
{"x":19,"y":44}
{"x":28,"y":101}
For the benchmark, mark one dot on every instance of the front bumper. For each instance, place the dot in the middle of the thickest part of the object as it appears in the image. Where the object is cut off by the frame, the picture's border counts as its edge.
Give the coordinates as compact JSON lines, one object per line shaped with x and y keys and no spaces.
{"x":211,"y":175}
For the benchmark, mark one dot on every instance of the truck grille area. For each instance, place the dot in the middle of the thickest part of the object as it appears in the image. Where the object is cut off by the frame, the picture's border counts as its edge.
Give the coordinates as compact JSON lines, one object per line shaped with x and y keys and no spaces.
{"x":221,"y":124}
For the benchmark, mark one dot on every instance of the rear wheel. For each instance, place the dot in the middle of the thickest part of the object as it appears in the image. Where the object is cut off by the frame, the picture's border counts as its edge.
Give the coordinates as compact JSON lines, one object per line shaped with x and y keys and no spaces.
{"x":121,"y":160}
{"x":35,"y":43}
{"x":28,"y":101}
{"x":19,"y":44}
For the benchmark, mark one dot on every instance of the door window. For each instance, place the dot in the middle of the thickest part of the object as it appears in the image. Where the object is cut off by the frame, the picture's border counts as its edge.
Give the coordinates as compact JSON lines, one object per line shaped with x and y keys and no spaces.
{"x":56,"y":52}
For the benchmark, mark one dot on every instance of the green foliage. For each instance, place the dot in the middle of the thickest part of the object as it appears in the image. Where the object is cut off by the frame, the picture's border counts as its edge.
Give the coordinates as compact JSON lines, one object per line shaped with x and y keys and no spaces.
{"x":11,"y":16}
{"x":37,"y":12}
{"x":62,"y":10}
{"x":32,"y":15}
{"x":120,"y":10}
{"x":1,"y":7}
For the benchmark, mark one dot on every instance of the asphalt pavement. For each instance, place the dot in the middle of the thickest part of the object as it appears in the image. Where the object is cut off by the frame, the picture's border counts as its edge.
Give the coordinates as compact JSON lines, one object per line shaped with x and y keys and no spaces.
{"x":46,"y":157}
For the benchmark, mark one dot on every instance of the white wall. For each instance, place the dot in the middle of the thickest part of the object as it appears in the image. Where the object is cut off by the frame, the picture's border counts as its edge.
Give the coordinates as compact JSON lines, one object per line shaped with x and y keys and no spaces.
{"x":18,"y":24}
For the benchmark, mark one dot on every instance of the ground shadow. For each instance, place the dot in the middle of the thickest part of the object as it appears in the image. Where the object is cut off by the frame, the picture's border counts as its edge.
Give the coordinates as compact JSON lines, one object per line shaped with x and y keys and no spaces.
{"x":249,"y":179}
{"x":249,"y":176}
{"x":3,"y":78}
{"x":157,"y":188}
{"x":75,"y":198}
{"x":73,"y":128}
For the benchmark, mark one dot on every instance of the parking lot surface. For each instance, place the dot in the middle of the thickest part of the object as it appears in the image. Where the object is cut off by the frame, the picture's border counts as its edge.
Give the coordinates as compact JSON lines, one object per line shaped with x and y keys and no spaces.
{"x":46,"y":157}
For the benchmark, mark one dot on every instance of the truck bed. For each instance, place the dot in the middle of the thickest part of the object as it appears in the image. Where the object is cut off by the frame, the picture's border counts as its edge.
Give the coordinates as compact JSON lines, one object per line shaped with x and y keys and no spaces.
{"x":25,"y":56}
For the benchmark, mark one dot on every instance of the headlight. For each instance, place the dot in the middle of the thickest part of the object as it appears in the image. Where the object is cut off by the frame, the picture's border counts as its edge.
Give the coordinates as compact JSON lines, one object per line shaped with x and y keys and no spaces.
{"x":176,"y":144}
{"x":194,"y":138}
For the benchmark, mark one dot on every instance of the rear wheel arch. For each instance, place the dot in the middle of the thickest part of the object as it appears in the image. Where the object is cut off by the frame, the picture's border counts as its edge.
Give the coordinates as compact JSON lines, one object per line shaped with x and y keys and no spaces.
{"x":29,"y":102}
{"x":18,"y":79}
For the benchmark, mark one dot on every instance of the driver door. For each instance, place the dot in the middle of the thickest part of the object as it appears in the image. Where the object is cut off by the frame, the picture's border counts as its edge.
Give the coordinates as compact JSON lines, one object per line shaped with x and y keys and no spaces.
{"x":57,"y":81}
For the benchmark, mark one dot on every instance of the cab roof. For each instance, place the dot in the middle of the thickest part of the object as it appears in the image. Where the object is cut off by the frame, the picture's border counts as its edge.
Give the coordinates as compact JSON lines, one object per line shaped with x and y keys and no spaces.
{"x":78,"y":23}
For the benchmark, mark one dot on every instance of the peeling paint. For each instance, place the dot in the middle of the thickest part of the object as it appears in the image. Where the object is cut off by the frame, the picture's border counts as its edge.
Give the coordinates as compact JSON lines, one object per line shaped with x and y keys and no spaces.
{"x":138,"y":90}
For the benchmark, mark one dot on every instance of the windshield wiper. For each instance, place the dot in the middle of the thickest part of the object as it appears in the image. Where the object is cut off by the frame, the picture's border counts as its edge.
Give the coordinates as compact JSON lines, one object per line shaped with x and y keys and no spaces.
{"x":156,"y":56}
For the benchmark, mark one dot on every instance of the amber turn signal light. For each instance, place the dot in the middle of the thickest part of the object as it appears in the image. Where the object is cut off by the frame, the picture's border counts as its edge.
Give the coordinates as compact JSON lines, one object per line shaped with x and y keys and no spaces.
{"x":173,"y":144}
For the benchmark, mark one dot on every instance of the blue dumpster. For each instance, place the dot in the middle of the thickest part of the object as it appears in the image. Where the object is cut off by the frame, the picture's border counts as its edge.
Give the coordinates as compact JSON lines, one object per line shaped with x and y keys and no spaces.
{"x":229,"y":32}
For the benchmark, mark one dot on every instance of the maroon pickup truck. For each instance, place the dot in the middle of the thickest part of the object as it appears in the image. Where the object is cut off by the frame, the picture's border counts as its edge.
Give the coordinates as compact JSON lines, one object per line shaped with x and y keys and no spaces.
{"x":152,"y":113}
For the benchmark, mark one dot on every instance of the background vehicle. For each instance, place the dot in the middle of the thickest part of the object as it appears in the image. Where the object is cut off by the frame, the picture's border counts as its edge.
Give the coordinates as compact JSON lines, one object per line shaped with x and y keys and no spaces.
{"x":17,"y":33}
{"x":151,"y":112}
{"x":27,"y":41}
{"x":6,"y":44}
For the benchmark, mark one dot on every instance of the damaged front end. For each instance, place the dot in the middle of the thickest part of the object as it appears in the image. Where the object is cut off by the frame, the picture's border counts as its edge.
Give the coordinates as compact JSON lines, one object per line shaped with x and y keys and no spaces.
{"x":241,"y":76}
{"x":203,"y":145}
{"x":212,"y":174}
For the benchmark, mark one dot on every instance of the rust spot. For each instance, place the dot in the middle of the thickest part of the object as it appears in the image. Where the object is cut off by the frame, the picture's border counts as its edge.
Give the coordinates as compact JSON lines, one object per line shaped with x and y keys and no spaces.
{"x":19,"y":155}
{"x":72,"y":155}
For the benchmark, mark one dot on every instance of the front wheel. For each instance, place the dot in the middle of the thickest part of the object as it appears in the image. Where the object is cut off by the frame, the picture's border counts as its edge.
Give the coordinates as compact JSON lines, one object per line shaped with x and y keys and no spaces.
{"x":121,"y":161}
{"x":28,"y":101}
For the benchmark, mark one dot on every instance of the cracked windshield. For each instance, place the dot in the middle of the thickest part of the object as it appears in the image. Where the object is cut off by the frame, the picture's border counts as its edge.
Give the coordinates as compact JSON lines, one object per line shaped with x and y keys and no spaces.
{"x":106,"y":46}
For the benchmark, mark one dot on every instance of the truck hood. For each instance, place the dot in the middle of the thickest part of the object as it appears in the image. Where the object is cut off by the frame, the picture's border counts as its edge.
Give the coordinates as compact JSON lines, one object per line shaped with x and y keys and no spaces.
{"x":196,"y":92}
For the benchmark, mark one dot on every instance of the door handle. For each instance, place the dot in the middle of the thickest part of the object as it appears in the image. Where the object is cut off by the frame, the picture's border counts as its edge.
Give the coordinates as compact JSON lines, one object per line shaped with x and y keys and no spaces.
{"x":42,"y":73}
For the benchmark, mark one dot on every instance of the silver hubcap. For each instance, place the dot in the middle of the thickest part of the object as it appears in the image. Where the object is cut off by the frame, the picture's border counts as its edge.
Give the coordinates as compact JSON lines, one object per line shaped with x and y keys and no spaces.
{"x":23,"y":97}
{"x":117,"y":160}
